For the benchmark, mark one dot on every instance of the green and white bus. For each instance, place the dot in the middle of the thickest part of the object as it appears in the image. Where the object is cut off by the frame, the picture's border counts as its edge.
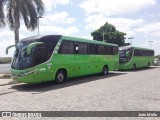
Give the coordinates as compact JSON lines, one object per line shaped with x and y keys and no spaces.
{"x":131,"y":58}
{"x":56,"y":57}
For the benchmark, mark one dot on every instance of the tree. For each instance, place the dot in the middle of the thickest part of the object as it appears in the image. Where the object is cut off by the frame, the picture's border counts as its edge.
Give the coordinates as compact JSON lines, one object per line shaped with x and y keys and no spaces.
{"x":29,"y":10}
{"x":108,"y":33}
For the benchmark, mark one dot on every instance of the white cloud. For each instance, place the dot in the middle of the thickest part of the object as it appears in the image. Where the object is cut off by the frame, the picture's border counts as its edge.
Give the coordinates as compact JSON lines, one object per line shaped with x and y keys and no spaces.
{"x":122,"y":24}
{"x":51,"y":4}
{"x":7,"y":39}
{"x":57,"y":18}
{"x":95,"y":21}
{"x":59,"y":30}
{"x":115,"y":7}
{"x":154,"y":45}
{"x":150,"y":28}
{"x":126,"y":25}
{"x":157,"y":33}
{"x":58,"y":23}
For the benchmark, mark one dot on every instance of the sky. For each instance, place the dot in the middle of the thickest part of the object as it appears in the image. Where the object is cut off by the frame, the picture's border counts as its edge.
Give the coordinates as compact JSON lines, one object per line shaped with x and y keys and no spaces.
{"x":139,"y":19}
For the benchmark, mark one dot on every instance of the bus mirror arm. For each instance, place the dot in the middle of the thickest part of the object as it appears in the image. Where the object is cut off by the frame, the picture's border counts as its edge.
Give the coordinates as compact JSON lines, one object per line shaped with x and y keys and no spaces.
{"x":10,"y":47}
{"x":30,"y":46}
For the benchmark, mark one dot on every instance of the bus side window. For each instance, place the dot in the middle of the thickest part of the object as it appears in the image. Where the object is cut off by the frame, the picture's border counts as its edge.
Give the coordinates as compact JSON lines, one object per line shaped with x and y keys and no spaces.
{"x":76,"y":48}
{"x":81,"y":48}
{"x":135,"y":53}
{"x":108,"y":50}
{"x":115,"y":50}
{"x":67,"y":47}
{"x":101,"y":50}
{"x":91,"y":49}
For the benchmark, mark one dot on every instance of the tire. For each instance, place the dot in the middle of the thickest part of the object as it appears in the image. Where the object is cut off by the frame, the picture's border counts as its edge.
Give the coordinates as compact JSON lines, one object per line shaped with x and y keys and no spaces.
{"x":60,"y":77}
{"x":148,"y":65}
{"x":133,"y":67}
{"x":105,"y":70}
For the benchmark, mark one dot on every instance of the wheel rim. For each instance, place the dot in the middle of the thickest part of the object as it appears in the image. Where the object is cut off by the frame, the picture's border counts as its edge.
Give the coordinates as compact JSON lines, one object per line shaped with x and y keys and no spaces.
{"x":60,"y":77}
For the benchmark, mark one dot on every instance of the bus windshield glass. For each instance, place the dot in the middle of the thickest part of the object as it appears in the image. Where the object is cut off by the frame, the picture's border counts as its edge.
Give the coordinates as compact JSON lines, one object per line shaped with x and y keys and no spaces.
{"x":39,"y":53}
{"x":21,"y":59}
{"x":125,"y":55}
{"x":122,"y":56}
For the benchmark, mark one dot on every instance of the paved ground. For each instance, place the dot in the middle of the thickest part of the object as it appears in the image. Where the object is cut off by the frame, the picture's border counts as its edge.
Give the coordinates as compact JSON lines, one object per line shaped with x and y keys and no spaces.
{"x":119,"y":91}
{"x":4,"y":68}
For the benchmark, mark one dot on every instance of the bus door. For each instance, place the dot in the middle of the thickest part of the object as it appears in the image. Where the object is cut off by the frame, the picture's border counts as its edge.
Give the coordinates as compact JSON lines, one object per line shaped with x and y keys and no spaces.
{"x":43,"y":68}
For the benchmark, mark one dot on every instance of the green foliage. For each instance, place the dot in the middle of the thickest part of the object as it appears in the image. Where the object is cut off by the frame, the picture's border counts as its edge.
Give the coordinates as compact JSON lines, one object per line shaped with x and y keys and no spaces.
{"x":109,"y":33}
{"x":26,"y":9}
{"x":12,"y":11}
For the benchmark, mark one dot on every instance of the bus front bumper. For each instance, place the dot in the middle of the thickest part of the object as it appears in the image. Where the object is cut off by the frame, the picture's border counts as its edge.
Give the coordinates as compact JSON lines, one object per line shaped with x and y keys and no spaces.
{"x":124,"y":67}
{"x":23,"y":77}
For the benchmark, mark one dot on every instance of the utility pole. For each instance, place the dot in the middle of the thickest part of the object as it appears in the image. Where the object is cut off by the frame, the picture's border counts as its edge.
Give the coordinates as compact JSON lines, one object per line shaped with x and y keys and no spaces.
{"x":38,"y":17}
{"x":103,"y":36}
{"x":131,"y":39}
{"x":150,"y":42}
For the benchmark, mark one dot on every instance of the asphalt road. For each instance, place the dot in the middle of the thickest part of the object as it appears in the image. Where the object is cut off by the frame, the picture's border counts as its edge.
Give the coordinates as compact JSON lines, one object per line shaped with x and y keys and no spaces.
{"x":118,"y":91}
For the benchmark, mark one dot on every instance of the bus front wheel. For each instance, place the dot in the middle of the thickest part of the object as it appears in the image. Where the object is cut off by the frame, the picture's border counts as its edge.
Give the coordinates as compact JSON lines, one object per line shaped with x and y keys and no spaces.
{"x":105,"y":70}
{"x":60,"y":76}
{"x":133,"y":67}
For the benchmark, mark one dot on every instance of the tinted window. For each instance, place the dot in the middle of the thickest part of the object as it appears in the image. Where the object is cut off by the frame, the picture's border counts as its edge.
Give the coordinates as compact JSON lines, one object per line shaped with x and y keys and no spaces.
{"x":108,"y":50}
{"x":115,"y":50}
{"x":82,"y":48}
{"x":67,"y":47}
{"x":101,"y":50}
{"x":92,"y":49}
{"x":73,"y":47}
{"x":40,"y":55}
{"x":44,"y":52}
{"x":143,"y":53}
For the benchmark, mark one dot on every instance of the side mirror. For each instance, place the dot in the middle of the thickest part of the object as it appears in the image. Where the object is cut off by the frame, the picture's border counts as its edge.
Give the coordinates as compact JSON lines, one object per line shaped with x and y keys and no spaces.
{"x":30,"y":46}
{"x":10,"y":47}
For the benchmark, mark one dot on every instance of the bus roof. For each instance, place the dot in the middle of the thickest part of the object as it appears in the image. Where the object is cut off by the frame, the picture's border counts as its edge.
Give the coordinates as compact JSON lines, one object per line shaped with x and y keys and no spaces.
{"x":128,"y":47}
{"x":87,"y":40}
{"x":36,"y":38}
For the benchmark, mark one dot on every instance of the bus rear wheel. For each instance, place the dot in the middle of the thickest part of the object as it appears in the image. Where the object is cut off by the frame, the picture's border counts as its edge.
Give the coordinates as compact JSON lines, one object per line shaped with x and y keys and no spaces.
{"x":105,"y":70}
{"x":60,"y":77}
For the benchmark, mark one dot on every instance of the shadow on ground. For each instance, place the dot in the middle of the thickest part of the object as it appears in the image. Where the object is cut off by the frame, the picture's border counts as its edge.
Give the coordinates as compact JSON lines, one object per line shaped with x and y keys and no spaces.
{"x":140,"y":69}
{"x":44,"y":87}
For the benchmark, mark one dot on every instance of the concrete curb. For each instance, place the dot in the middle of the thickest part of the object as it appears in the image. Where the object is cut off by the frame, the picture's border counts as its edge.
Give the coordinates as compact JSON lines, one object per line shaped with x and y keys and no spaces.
{"x":5,"y":76}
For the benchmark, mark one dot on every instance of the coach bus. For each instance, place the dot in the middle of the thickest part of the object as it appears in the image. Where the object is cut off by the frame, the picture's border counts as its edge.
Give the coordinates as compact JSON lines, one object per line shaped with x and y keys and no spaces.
{"x":131,"y":58}
{"x":56,"y":57}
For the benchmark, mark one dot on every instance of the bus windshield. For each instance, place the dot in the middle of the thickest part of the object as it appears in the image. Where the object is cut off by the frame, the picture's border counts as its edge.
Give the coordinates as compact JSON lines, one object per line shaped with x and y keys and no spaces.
{"x":122,"y":56}
{"x":125,"y":55}
{"x":21,"y":59}
{"x":39,"y":53}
